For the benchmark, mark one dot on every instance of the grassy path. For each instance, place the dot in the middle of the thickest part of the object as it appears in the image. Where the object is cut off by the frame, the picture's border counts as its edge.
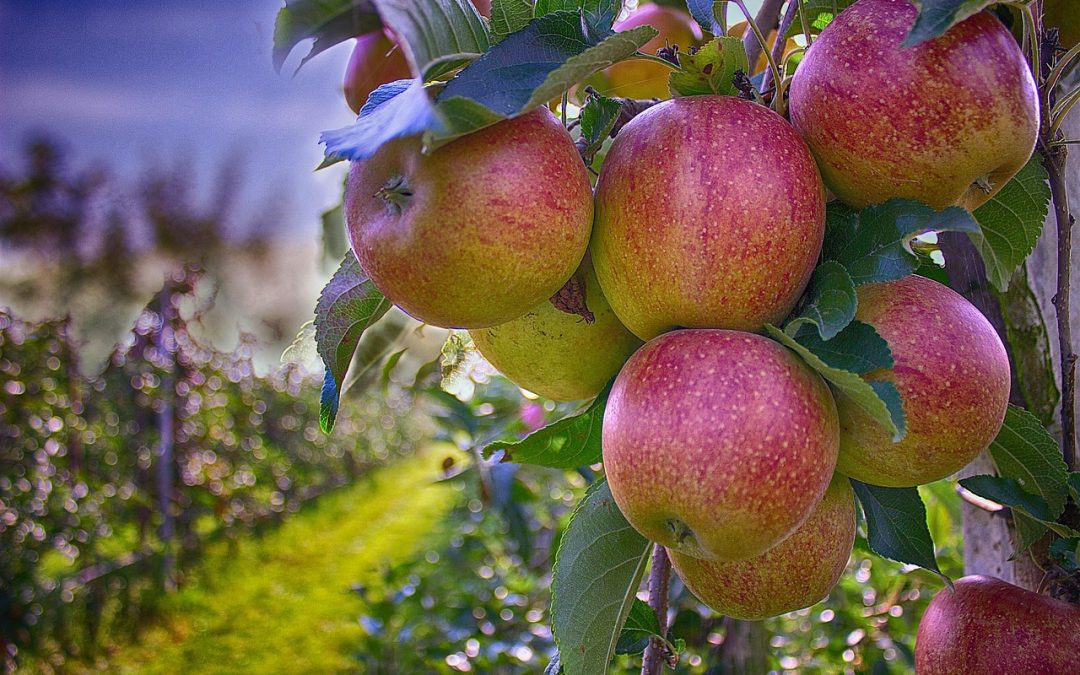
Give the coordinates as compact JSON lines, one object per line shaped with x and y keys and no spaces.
{"x":282,"y":604}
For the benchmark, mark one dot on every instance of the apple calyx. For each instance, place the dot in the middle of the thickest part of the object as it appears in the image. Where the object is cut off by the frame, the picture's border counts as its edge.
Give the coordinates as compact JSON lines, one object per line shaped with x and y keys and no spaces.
{"x":396,"y":194}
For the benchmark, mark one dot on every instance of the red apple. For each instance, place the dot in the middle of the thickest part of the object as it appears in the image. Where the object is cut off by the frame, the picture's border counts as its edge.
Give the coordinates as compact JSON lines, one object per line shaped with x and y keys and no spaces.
{"x":638,"y":78}
{"x":376,"y":59}
{"x":948,"y":121}
{"x":952,"y":373}
{"x":718,"y":444}
{"x":478,"y":232}
{"x":796,"y":573}
{"x":709,"y":214}
{"x":991,"y":627}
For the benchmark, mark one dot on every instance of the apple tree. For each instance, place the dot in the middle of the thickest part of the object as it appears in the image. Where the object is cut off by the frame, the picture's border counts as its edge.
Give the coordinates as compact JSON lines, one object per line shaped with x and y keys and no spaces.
{"x":778,"y":291}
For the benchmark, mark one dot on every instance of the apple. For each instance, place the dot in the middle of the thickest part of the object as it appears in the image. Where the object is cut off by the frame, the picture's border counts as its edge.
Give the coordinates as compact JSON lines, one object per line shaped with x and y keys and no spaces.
{"x":559,"y":355}
{"x":796,"y":573}
{"x":946,"y":122}
{"x":638,"y":78}
{"x":718,"y":444}
{"x":953,"y":376}
{"x":710,"y":213}
{"x":988,"y":626}
{"x":478,"y":232}
{"x":376,"y":59}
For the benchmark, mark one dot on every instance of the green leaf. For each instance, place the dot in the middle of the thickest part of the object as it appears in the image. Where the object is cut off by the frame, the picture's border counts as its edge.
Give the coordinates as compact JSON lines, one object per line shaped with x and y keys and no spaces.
{"x":705,"y":12}
{"x":1066,"y":552}
{"x":396,"y":109}
{"x":1011,"y":222}
{"x":1074,"y":485}
{"x":566,"y":444}
{"x":599,"y":13}
{"x":597,"y":571}
{"x":710,"y":70}
{"x":388,"y":368}
{"x":540,"y":62}
{"x":1029,"y":340}
{"x":875,"y":243}
{"x":831,"y":301}
{"x":896,"y":524}
{"x":347,"y":306}
{"x":598,"y":117}
{"x":641,"y":624}
{"x":1025,"y":452}
{"x":819,"y":14}
{"x":327,"y":21}
{"x":847,"y":383}
{"x":509,"y":16}
{"x":1009,"y":492}
{"x":937,"y":16}
{"x":374,"y":347}
{"x":857,"y":348}
{"x":438,"y":36}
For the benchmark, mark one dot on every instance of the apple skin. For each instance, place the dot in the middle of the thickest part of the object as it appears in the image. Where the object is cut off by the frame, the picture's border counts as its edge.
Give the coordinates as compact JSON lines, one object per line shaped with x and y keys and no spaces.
{"x":560,"y":355}
{"x":927,"y":122}
{"x":376,"y":59}
{"x":710,"y":213}
{"x":718,"y":444}
{"x":796,"y":573}
{"x":991,"y":627}
{"x":496,"y":222}
{"x":953,"y":376}
{"x":638,"y":78}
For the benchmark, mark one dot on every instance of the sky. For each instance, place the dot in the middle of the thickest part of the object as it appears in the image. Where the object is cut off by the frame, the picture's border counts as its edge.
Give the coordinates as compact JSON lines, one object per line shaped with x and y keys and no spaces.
{"x":131,"y":82}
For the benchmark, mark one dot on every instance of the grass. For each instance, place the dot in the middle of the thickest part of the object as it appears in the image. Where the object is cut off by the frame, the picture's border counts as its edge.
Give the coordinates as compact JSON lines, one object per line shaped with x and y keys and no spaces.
{"x":282,"y":603}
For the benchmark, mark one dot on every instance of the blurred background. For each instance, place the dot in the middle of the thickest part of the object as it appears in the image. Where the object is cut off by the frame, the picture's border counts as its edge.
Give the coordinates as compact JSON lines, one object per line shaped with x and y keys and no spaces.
{"x":167,"y":501}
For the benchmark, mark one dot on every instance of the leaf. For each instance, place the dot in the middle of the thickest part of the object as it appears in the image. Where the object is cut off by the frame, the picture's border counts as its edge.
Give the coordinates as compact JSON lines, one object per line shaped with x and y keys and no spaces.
{"x":705,"y":13}
{"x":1009,"y":492}
{"x":538,"y":63}
{"x":566,"y":444}
{"x":937,"y":16}
{"x":327,"y":21}
{"x":599,"y":13}
{"x":388,"y":368}
{"x":857,"y":348}
{"x":401,"y":108}
{"x":819,"y":14}
{"x":1029,"y":340}
{"x":641,"y":624}
{"x":438,"y":36}
{"x":509,"y":16}
{"x":1074,"y":486}
{"x":710,"y":70}
{"x":847,"y":383}
{"x":598,"y":117}
{"x":831,"y":301}
{"x":598,"y":569}
{"x":1011,"y":222}
{"x":874,"y":244}
{"x":1025,"y":452}
{"x":896,"y":524}
{"x":554,"y":667}
{"x":374,"y":346}
{"x":347,"y":306}
{"x":1066,"y":552}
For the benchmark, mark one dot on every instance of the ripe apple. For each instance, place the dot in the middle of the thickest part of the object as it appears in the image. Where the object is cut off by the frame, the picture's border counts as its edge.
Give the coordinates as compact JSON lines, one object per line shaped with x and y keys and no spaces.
{"x":718,"y":444}
{"x":559,"y":355}
{"x":796,"y":573}
{"x":376,"y":59}
{"x":638,"y":78}
{"x":946,"y":122}
{"x":478,"y":232}
{"x":992,"y":627}
{"x":952,"y":373}
{"x":710,"y":213}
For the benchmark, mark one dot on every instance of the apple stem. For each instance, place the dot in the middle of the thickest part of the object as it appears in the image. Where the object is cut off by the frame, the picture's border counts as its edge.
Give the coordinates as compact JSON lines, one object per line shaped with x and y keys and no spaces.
{"x":396,"y":194}
{"x":659,"y":578}
{"x":762,"y":42}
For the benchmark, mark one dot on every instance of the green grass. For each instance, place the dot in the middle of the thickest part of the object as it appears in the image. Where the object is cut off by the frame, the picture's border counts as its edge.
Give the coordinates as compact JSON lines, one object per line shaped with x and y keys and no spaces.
{"x":281,"y":603}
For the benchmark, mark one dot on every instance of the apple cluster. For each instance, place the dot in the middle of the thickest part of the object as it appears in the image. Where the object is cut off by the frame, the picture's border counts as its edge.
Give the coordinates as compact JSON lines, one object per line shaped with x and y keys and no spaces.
{"x":705,"y":224}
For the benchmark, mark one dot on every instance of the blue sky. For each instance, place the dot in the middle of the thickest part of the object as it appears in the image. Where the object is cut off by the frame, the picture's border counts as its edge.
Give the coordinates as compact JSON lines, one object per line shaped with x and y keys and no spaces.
{"x":129,"y":82}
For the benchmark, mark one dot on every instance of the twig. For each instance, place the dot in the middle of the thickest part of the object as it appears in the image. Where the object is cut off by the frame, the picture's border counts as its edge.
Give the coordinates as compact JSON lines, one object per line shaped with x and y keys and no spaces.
{"x":761,"y":40}
{"x":778,"y":46}
{"x":765,"y":19}
{"x":659,"y":576}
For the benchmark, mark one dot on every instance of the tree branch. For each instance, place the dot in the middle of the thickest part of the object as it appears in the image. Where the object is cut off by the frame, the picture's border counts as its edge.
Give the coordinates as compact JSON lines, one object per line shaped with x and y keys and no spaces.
{"x":659,"y":576}
{"x":778,"y":46}
{"x":766,"y":21}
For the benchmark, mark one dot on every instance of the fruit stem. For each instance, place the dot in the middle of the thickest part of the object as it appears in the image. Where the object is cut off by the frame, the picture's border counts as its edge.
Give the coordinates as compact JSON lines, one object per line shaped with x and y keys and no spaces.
{"x":659,"y":577}
{"x":396,"y":194}
{"x":761,"y":41}
{"x":777,"y":52}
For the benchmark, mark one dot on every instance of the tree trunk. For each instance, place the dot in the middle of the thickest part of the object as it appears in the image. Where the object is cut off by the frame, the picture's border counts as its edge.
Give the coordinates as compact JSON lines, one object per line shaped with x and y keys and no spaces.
{"x":744,"y":651}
